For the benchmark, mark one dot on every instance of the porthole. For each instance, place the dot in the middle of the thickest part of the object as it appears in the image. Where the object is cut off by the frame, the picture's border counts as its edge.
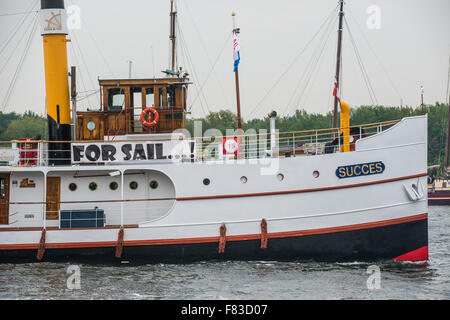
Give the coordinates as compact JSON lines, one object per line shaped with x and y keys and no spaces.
{"x":154,"y":184}
{"x":280,"y":177}
{"x":206,"y":181}
{"x":113,"y":185}
{"x":90,"y":125}
{"x":316,"y":174}
{"x":72,"y":186}
{"x":244,"y":179}
{"x":133,"y":185}
{"x":93,"y":186}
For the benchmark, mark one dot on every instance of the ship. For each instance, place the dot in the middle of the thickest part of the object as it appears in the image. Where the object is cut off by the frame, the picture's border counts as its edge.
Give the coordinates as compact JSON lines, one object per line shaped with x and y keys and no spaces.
{"x":127,"y":183}
{"x":439,"y":183}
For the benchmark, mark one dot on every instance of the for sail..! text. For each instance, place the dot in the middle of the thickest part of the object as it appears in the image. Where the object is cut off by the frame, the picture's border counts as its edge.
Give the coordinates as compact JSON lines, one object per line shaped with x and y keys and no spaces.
{"x":132,"y":152}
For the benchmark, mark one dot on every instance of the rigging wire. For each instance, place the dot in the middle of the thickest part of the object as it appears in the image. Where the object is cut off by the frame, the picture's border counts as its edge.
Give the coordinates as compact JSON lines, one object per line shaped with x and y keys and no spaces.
{"x":361,"y":65}
{"x":14,"y":51}
{"x":75,"y":57}
{"x":83,"y":60}
{"x":311,"y":67}
{"x":294,"y":61}
{"x":17,"y":13}
{"x":20,"y":64}
{"x":376,"y":56}
{"x":97,"y":47}
{"x":207,"y":55}
{"x":214,"y":65}
{"x":189,"y":61}
{"x":17,"y":27}
{"x":447,"y":96}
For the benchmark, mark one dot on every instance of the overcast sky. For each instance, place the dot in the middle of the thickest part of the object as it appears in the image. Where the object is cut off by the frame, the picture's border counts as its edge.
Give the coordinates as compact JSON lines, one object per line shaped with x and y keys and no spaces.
{"x":402,"y":44}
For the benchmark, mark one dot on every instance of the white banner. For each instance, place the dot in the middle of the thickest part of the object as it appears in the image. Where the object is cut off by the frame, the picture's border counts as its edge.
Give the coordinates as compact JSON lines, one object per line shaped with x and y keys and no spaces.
{"x":11,"y":156}
{"x":133,"y":152}
{"x":53,"y":21}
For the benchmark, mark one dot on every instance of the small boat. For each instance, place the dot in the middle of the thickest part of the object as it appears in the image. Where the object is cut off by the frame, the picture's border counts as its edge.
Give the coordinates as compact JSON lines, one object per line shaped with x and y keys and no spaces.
{"x":439,"y":187}
{"x":439,"y":192}
{"x":130,"y":184}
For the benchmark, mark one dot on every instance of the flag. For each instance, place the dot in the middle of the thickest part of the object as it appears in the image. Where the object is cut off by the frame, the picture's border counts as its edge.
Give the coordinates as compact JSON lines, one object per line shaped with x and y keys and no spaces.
{"x":335,"y":90}
{"x":236,"y":54}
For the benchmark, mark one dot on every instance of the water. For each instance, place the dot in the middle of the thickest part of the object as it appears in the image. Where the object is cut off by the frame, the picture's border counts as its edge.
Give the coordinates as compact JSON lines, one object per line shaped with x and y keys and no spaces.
{"x":240,"y":280}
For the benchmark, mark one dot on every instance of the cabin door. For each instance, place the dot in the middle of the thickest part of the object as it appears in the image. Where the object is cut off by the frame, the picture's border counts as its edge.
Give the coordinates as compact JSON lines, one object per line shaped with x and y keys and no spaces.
{"x":4,"y":198}
{"x":53,"y":198}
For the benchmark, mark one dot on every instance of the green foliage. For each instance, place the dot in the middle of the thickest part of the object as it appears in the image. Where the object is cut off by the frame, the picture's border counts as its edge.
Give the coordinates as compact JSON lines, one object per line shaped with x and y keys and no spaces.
{"x":302,"y":120}
{"x":14,"y":126}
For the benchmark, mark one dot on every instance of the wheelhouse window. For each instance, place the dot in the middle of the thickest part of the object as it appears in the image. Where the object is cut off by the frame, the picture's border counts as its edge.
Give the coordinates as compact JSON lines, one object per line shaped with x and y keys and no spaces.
{"x":116,"y":99}
{"x":149,"y":97}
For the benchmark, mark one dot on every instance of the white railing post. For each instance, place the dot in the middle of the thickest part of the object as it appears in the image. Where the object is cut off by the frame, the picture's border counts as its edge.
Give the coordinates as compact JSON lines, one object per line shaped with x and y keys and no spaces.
{"x":122,"y":188}
{"x":44,"y":209}
{"x":316,"y":143}
{"x":293,"y":144}
{"x":339,"y":140}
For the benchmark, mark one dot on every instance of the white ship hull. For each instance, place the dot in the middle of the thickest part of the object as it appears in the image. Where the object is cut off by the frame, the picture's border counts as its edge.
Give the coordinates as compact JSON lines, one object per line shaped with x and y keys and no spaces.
{"x":381,"y":215}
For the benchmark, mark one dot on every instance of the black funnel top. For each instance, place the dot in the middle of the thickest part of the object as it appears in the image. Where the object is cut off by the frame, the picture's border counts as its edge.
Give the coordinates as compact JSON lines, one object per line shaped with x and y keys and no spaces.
{"x":52,"y":4}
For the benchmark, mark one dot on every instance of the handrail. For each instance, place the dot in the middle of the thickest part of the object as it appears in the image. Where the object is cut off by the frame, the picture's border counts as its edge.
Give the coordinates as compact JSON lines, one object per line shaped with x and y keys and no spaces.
{"x":330,"y":130}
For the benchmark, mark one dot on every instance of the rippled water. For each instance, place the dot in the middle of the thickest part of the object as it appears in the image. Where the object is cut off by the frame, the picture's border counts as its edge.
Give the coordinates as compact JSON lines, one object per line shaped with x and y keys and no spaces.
{"x":241,"y":280}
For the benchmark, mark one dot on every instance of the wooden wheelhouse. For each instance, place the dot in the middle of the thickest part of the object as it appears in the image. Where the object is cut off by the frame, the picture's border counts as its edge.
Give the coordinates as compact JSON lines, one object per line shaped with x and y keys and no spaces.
{"x":123,"y":101}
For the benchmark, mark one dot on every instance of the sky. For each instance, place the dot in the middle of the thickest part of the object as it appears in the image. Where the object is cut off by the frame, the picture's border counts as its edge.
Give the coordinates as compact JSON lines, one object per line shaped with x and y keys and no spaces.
{"x":288,"y":52}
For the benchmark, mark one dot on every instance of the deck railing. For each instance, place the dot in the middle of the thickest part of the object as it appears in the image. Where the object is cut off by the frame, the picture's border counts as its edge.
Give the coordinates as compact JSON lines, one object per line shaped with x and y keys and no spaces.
{"x":252,"y":145}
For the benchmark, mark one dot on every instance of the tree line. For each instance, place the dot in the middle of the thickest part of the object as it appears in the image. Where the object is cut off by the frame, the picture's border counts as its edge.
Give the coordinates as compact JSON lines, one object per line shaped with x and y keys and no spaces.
{"x":14,"y":126}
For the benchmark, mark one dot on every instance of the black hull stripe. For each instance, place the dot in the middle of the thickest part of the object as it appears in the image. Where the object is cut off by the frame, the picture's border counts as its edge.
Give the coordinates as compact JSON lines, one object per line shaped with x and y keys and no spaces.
{"x":368,"y":244}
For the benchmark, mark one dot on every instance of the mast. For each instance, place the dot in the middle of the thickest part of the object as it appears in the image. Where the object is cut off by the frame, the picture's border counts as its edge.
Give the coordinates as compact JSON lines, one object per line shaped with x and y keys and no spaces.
{"x":172,"y":36}
{"x":338,"y":64}
{"x":236,"y":31}
{"x":447,"y":153}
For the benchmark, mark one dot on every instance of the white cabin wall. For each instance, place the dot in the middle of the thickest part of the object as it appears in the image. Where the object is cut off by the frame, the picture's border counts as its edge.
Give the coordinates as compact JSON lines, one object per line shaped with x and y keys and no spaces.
{"x":32,"y":213}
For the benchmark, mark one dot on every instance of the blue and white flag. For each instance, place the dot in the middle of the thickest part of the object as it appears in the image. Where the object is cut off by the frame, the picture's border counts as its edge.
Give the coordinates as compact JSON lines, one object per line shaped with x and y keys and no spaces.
{"x":236,"y":49}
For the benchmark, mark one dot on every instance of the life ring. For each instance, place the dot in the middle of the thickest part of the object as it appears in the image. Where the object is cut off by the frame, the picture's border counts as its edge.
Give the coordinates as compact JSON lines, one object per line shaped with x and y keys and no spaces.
{"x":155,"y":117}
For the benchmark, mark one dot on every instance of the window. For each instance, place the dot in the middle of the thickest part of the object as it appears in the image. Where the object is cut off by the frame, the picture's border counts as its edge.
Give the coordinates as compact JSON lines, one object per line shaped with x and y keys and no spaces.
{"x":206,"y":181}
{"x":153,"y":184}
{"x":113,"y":185}
{"x":2,"y":187}
{"x":116,"y":99}
{"x":171,"y":96}
{"x":93,"y":186}
{"x":72,"y":186}
{"x":244,"y":179}
{"x":133,"y":185}
{"x":149,"y":97}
